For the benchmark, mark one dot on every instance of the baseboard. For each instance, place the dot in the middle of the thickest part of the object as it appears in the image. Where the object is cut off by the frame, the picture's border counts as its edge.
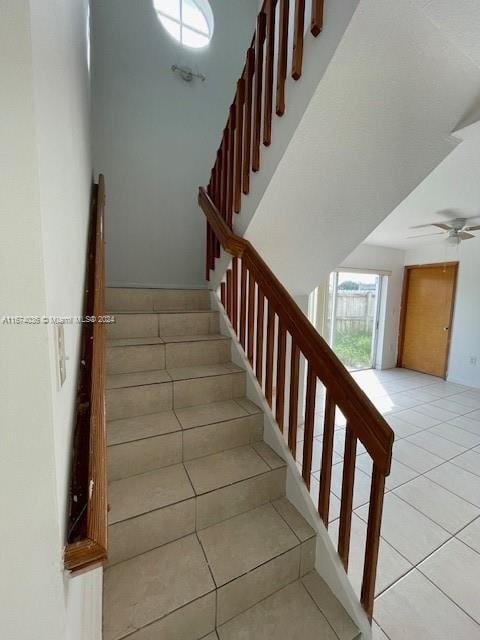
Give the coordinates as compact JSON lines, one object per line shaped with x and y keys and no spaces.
{"x":464,"y":383}
{"x":150,"y":285}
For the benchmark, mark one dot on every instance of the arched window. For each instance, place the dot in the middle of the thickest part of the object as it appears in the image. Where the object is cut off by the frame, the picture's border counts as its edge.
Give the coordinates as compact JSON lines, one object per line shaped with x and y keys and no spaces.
{"x":190,"y":22}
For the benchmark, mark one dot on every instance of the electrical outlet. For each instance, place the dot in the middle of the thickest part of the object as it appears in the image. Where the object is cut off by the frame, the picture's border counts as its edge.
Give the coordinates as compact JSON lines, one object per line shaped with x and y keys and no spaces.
{"x":473,"y":360}
{"x":62,"y":360}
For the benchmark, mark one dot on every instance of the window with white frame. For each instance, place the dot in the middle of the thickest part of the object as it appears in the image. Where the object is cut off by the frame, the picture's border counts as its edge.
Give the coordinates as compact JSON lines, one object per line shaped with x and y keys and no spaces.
{"x":190,"y":22}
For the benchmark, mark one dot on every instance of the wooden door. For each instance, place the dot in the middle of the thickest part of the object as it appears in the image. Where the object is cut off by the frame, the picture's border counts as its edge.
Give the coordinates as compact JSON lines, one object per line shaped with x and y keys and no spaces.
{"x":427,"y":312}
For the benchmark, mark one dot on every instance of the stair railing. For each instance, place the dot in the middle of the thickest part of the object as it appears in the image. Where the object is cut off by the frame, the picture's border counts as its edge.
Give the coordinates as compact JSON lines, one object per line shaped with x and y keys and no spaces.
{"x":271,"y":329}
{"x":250,"y":116}
{"x":87,"y":522}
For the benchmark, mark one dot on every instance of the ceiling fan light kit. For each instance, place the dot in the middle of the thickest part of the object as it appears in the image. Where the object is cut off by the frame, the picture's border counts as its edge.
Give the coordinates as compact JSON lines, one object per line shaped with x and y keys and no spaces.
{"x":453,"y":239}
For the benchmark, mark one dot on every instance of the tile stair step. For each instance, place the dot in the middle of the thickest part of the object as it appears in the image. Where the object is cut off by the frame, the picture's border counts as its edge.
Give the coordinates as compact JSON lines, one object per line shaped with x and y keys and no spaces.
{"x":182,"y":387}
{"x":128,"y":355}
{"x":159,"y":376}
{"x":136,"y":340}
{"x":130,"y":299}
{"x":133,"y":358}
{"x":165,"y":593}
{"x":188,"y":587}
{"x":140,"y":427}
{"x":303,"y":609}
{"x":131,"y":324}
{"x":189,"y":496}
{"x":137,"y":379}
{"x":253,"y":554}
{"x":142,"y":444}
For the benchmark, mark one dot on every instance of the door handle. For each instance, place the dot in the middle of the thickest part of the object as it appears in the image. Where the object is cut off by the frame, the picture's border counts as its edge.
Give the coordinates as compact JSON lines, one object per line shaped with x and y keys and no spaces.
{"x":446,"y":328}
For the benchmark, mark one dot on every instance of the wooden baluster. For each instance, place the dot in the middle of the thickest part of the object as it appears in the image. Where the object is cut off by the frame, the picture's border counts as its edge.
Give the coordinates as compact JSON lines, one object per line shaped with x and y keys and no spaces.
{"x":282,"y":56}
{"x":214,"y":184}
{"x":210,"y":258}
{"x":280,"y":394}
{"x":327,"y":458}
{"x":348,"y":484}
{"x":298,"y":39}
{"x":208,"y":251}
{"x":217,"y":189}
{"x":317,"y":17}
{"x":247,"y":138}
{"x":212,"y":193}
{"x":211,"y":249}
{"x":259,"y":349}
{"x":243,"y":304}
{"x":293,"y":404}
{"x":257,"y":107}
{"x":223,"y":194}
{"x":235,"y":294}
{"x":229,"y":294}
{"x":211,"y":185}
{"x":269,"y":60}
{"x":226,"y":169}
{"x":309,"y":425}
{"x":372,"y":544}
{"x":230,"y":164}
{"x":222,"y":295}
{"x":218,"y":182}
{"x":269,"y":358}
{"x":251,"y":317}
{"x":239,"y":105}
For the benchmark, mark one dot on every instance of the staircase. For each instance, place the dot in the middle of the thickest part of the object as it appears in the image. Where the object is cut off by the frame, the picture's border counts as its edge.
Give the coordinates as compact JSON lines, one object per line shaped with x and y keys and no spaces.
{"x":203,"y":542}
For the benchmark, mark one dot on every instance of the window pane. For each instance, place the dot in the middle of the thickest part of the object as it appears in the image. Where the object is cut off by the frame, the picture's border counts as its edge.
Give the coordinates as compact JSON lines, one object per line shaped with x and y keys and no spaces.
{"x":171,"y":26}
{"x":193,"y":17}
{"x":168,"y":7}
{"x":193,"y":39}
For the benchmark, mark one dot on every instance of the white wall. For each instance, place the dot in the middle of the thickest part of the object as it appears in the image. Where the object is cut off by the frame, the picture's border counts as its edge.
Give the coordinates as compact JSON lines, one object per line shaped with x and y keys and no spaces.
{"x":44,"y":201}
{"x":465,"y":339}
{"x":378,"y":123}
{"x":156,"y":136}
{"x":64,"y":181}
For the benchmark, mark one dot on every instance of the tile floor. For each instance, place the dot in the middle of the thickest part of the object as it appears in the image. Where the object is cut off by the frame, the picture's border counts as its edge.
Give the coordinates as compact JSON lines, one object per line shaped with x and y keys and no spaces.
{"x":428,"y":583}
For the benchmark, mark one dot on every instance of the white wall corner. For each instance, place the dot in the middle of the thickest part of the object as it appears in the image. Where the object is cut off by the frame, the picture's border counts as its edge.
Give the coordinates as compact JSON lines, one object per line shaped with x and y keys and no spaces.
{"x":83,"y":597}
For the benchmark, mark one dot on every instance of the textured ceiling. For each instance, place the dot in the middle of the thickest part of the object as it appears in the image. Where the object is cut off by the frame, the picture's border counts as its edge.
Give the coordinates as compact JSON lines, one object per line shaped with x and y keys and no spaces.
{"x":451,"y":190}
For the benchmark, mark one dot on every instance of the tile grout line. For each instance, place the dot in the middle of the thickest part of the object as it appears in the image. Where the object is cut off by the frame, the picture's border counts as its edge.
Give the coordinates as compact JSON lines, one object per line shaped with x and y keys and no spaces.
{"x":451,"y":536}
{"x":321,"y":612}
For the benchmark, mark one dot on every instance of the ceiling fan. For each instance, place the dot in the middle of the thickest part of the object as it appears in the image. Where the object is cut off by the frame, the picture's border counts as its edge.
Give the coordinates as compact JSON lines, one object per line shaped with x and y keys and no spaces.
{"x":458,"y":230}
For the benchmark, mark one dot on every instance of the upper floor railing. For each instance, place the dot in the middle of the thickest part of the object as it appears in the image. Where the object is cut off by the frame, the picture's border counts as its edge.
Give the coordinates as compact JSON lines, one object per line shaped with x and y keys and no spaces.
{"x":276,"y":337}
{"x":280,"y":33}
{"x":87,"y":523}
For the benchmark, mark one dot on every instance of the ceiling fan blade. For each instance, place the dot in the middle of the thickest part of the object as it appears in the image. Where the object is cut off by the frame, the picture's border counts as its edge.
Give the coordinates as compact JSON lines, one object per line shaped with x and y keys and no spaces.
{"x":432,"y":224}
{"x":426,"y":235}
{"x":465,"y":236}
{"x":440,"y":225}
{"x":475,"y":228}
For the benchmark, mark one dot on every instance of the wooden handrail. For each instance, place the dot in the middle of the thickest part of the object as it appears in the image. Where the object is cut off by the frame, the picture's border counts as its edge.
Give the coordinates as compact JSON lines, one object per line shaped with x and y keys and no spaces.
{"x":88,"y":524}
{"x":251,"y":293}
{"x":371,"y":428}
{"x":259,"y":287}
